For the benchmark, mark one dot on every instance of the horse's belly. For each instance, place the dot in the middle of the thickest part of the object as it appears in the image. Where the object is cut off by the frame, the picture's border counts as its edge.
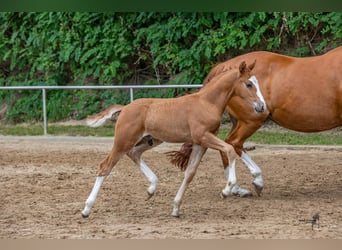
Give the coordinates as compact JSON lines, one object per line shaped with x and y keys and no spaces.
{"x":308,"y":121}
{"x":306,"y":109}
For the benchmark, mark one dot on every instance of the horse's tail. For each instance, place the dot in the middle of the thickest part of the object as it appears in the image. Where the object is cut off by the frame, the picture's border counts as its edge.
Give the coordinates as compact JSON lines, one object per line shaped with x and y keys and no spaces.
{"x":181,"y":158}
{"x":110,"y":113}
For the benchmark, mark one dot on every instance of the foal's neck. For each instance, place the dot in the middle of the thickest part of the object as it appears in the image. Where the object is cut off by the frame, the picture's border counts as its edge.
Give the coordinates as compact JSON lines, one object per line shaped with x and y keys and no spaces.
{"x":219,"y":90}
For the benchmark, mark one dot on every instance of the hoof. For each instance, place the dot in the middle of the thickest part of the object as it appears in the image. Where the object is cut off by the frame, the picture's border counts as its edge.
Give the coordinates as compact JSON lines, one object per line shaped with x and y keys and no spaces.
{"x":85,"y":215}
{"x":241,"y":192}
{"x":176,"y":215}
{"x":258,"y":189}
{"x":244,"y":194}
{"x":223,"y":195}
{"x":149,"y":196}
{"x":175,"y":211}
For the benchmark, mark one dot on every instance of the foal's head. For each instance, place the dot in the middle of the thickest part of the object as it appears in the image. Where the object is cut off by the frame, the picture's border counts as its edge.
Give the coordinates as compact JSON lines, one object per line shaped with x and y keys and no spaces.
{"x":247,"y":89}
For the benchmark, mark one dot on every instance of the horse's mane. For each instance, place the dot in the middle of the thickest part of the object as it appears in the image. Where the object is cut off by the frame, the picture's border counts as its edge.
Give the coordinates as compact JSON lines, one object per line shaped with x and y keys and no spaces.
{"x":218,"y":70}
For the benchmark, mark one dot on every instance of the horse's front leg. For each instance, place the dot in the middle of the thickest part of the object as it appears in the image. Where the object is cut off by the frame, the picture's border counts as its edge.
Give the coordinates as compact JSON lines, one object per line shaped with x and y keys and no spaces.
{"x":255,"y":171}
{"x":195,"y":158}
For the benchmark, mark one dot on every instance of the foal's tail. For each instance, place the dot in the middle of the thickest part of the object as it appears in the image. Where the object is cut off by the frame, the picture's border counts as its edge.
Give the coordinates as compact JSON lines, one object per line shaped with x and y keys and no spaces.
{"x":110,"y":113}
{"x":181,"y":158}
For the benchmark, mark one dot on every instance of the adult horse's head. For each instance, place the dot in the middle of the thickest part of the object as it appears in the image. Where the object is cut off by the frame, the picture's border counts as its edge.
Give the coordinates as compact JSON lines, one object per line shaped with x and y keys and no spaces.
{"x":248,"y":89}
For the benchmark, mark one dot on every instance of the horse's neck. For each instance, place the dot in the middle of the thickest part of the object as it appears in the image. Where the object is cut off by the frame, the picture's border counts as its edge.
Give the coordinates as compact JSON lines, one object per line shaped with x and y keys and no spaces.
{"x":218,"y":91}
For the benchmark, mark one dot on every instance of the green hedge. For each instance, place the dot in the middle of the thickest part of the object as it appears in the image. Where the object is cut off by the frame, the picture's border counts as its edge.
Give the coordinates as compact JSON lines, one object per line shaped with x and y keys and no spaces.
{"x":71,"y":48}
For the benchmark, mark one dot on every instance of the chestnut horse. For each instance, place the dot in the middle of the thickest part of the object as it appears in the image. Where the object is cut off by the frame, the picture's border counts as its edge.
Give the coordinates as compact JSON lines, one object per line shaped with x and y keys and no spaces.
{"x":145,"y":123}
{"x":301,"y":94}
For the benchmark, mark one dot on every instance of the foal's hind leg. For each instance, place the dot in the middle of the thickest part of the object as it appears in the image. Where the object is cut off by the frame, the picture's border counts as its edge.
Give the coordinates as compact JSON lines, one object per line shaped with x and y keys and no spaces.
{"x":105,"y":168}
{"x":195,"y":158}
{"x":135,"y":155}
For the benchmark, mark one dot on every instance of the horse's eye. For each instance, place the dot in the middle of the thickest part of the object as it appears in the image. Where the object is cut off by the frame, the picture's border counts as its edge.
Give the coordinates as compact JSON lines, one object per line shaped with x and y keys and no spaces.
{"x":249,"y":85}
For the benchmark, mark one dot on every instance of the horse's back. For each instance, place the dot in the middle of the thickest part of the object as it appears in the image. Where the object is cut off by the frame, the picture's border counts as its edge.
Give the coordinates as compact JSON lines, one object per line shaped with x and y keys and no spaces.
{"x":303,"y":94}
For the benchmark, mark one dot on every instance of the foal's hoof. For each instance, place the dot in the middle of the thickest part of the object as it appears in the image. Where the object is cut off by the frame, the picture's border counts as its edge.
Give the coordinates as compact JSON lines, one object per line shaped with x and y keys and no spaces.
{"x":175,"y":214}
{"x":149,"y":196}
{"x":85,"y":215}
{"x":175,"y":211}
{"x":257,"y":188}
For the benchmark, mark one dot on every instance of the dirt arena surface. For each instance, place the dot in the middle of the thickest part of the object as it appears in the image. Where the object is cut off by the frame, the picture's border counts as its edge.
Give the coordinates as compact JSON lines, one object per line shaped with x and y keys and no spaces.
{"x":44,"y":182}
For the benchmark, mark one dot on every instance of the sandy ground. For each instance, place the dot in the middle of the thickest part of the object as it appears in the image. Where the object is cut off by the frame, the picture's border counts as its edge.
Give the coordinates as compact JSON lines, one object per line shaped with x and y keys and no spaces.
{"x":44,"y":182}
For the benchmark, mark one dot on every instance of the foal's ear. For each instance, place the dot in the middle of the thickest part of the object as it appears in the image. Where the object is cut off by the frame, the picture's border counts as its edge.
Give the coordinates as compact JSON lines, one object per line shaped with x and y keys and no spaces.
{"x":242,"y":67}
{"x":252,"y":65}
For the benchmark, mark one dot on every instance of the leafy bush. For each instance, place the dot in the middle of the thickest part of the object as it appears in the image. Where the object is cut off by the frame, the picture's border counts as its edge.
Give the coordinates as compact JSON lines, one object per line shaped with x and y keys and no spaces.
{"x":78,"y":48}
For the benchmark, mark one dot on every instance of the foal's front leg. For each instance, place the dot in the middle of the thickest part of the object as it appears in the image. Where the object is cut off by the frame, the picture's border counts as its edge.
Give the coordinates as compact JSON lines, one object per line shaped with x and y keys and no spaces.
{"x":233,"y":188}
{"x":241,"y":130}
{"x":195,"y":158}
{"x":227,"y":150}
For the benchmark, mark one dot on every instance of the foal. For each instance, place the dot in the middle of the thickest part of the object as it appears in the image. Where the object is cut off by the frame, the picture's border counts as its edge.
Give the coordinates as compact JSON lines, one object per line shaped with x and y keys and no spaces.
{"x":195,"y":118}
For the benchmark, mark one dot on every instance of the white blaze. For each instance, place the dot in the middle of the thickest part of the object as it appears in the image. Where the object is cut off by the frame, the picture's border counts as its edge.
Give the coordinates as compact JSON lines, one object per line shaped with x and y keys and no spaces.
{"x":254,"y":80}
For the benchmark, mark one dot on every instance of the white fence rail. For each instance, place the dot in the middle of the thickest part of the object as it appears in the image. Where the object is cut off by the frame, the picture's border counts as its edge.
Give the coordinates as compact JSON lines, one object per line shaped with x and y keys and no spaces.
{"x":130,"y":87}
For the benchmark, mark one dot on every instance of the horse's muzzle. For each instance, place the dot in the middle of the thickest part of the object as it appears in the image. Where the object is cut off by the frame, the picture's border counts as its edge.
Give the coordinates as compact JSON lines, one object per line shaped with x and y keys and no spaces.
{"x":259,"y":107}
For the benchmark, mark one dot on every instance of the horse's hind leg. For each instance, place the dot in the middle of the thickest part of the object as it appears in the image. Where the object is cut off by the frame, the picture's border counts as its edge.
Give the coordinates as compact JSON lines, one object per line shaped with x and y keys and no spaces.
{"x":105,"y":168}
{"x":135,"y":155}
{"x":195,"y":158}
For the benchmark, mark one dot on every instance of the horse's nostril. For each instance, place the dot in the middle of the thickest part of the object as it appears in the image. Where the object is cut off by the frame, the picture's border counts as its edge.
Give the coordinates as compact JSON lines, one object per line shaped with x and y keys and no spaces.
{"x":259,"y":107}
{"x":262,"y":109}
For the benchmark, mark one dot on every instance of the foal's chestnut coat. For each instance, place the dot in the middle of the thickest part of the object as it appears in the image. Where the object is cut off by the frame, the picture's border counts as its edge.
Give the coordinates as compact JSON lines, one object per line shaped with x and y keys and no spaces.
{"x":195,"y":118}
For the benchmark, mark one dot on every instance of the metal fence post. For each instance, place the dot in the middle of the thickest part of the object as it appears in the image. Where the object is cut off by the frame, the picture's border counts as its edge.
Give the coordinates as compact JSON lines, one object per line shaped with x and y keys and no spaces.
{"x":44,"y":111}
{"x":131,"y":94}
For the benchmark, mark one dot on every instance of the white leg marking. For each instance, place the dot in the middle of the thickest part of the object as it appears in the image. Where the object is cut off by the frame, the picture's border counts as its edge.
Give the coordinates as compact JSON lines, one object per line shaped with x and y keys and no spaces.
{"x":231,"y":178}
{"x":152,"y":178}
{"x":253,"y":168}
{"x":195,"y":158}
{"x":92,"y":197}
{"x":232,"y":187}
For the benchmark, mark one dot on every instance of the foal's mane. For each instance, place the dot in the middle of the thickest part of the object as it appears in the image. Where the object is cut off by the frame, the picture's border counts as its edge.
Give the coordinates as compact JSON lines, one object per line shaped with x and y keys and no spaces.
{"x":217,"y":73}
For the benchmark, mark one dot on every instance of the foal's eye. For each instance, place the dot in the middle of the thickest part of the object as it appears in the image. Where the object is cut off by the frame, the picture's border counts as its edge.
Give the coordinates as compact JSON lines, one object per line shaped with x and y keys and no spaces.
{"x":249,"y":85}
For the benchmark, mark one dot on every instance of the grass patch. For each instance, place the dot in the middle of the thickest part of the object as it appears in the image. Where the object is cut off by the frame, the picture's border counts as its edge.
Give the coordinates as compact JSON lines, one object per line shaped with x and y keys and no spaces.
{"x":72,"y":130}
{"x":261,"y":136}
{"x":79,"y":130}
{"x":21,"y":130}
{"x":291,"y":138}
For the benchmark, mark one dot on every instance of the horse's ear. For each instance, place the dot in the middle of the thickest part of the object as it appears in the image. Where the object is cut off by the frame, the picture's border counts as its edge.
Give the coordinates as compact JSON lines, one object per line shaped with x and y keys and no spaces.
{"x":242,"y":67}
{"x":252,"y":65}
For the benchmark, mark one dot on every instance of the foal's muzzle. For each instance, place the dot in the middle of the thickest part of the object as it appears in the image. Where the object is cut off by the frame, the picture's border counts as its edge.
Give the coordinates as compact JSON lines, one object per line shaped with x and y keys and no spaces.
{"x":259,"y":107}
